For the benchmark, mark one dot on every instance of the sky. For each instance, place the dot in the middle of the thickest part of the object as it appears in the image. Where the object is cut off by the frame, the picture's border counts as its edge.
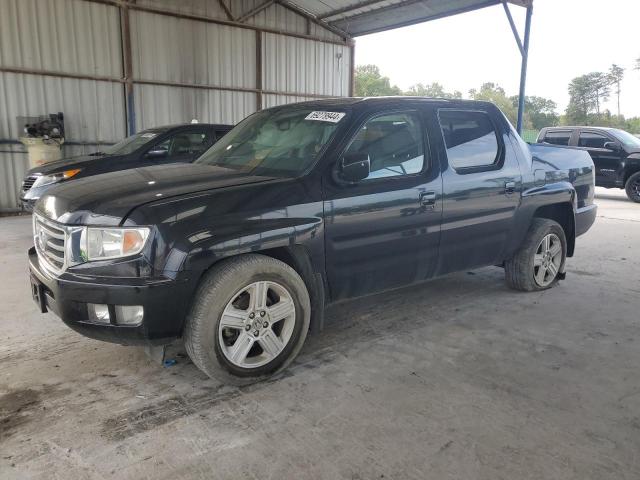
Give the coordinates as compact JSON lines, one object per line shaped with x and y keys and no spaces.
{"x":569,"y":38}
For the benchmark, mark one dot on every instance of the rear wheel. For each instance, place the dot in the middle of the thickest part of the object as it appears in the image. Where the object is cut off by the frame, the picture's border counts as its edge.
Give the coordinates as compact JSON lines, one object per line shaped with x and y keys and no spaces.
{"x":249,"y":319}
{"x":540,"y":259}
{"x":632,"y":187}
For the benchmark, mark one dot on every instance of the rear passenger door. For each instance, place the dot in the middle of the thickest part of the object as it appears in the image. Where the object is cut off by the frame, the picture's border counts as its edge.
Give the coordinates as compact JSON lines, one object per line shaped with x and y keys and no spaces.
{"x":606,"y":161}
{"x":383,"y":231}
{"x":481,"y":187}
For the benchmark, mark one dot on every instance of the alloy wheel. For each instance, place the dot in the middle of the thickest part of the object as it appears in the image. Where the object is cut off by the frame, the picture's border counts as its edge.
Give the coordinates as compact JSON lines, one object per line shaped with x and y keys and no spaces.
{"x":257,"y":324}
{"x":547,"y":260}
{"x":635,"y":189}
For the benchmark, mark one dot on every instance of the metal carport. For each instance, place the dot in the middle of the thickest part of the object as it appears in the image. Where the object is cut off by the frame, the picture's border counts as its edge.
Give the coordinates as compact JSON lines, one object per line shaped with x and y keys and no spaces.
{"x":114,"y":67}
{"x":362,"y":17}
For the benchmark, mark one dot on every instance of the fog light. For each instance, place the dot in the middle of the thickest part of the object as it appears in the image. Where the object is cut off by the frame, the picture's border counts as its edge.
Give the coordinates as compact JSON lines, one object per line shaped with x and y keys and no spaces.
{"x":98,"y":312}
{"x":129,"y":314}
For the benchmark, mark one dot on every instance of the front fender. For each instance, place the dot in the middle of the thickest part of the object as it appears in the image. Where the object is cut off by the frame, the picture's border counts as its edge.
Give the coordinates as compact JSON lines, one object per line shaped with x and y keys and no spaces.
{"x":629,"y":166}
{"x":211,"y":246}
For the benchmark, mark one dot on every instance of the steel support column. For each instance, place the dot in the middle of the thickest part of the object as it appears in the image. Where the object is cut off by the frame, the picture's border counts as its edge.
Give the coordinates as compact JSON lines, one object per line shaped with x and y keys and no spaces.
{"x":127,"y":68}
{"x":523,"y":69}
{"x":259,"y":92}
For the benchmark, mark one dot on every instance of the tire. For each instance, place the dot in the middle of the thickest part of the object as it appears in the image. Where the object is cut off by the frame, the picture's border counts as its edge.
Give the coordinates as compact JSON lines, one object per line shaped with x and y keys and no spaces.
{"x":232,"y":288}
{"x":521,"y":271}
{"x":632,"y":187}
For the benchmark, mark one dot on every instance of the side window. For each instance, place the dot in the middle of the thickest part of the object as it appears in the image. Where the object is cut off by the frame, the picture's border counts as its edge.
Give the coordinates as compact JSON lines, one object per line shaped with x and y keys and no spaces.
{"x":180,"y":144}
{"x":393,"y":143}
{"x":557,"y":137}
{"x":160,"y":150}
{"x":470,"y":138}
{"x":190,"y":143}
{"x":592,"y":140}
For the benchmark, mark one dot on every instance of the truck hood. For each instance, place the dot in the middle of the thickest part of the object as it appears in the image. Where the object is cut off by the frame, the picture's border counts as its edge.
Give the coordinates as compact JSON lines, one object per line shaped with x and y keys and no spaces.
{"x":70,"y":163}
{"x":106,"y":199}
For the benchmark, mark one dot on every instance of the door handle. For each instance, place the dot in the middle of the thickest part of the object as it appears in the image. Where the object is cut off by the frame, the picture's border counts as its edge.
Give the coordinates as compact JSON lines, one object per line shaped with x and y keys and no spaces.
{"x":428,"y":199}
{"x":509,"y":188}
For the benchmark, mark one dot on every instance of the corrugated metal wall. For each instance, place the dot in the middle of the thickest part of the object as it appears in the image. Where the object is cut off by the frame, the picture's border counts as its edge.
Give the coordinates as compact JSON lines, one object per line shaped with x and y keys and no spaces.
{"x":304,"y":66}
{"x":67,"y":56}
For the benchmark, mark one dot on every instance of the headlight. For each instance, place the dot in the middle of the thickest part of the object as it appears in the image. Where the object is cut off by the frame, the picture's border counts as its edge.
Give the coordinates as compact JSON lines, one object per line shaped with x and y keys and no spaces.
{"x":106,"y":243}
{"x":43,"y":180}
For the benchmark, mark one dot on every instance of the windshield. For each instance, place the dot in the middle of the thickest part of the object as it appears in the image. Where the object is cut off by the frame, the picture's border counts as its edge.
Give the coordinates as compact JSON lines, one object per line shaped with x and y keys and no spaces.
{"x":282,"y":142}
{"x":131,"y":143}
{"x":627,"y":139}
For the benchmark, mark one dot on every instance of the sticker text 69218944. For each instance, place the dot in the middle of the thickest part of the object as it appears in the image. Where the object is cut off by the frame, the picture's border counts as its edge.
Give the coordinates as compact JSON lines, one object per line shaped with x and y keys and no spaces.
{"x":333,"y":117}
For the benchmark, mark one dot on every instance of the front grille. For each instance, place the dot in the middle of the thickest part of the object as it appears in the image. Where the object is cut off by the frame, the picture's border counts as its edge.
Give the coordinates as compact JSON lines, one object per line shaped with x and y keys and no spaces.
{"x":28,"y":182}
{"x":49,"y":239}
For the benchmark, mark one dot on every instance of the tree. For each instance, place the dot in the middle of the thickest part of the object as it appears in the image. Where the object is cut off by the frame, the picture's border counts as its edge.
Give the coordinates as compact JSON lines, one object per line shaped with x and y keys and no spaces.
{"x":581,"y":100}
{"x":601,"y":84}
{"x":616,"y":74}
{"x":637,"y":66}
{"x":433,"y":90}
{"x":369,"y":82}
{"x":586,"y":93}
{"x":539,"y":112}
{"x":494,"y":93}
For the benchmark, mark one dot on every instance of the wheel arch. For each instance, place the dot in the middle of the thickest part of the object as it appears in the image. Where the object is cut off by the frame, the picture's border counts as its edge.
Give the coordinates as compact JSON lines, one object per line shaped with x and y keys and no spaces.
{"x":299,"y":259}
{"x":632,"y":167}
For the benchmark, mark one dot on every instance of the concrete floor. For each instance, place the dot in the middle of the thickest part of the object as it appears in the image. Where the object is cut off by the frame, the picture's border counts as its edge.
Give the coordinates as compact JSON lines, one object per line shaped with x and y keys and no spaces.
{"x":460,"y":378}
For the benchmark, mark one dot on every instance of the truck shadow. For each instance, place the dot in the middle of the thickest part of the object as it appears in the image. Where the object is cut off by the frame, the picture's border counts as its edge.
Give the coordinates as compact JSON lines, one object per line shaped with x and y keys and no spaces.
{"x":349,"y":327}
{"x":611,"y":196}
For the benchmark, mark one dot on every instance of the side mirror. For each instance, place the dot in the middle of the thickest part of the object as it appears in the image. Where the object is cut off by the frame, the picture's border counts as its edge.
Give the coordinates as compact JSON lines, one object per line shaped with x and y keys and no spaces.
{"x":355,"y":167}
{"x":611,"y":146}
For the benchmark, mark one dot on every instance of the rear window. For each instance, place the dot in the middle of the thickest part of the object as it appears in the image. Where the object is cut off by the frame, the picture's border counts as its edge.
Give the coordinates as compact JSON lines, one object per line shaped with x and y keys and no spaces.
{"x":470,"y":138}
{"x":557,"y":137}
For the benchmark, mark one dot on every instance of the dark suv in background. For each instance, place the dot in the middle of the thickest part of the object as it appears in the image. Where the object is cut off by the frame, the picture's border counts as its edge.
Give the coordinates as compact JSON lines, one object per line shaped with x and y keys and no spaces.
{"x":615,"y":153}
{"x":155,"y":146}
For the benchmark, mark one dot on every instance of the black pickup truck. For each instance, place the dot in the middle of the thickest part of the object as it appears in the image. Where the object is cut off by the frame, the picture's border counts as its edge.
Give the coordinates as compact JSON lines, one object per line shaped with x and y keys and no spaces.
{"x":615,"y":154}
{"x":299,"y":206}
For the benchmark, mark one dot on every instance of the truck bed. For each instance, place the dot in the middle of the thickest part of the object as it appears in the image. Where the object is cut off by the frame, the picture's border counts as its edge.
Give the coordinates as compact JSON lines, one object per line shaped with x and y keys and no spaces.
{"x":566,"y":164}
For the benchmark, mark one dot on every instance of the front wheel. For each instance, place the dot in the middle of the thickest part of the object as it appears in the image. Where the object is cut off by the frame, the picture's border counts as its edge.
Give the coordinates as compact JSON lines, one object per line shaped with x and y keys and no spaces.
{"x":540,"y":259}
{"x":632,"y":187}
{"x":249,"y":319}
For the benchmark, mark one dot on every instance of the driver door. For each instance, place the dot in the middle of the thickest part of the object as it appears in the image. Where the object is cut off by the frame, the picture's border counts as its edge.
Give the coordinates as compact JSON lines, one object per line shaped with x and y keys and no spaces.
{"x":383,"y":231}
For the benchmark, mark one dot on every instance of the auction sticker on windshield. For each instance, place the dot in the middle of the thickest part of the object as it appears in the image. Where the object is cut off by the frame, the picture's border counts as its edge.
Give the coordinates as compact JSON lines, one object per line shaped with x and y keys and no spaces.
{"x":333,"y":117}
{"x":149,"y":135}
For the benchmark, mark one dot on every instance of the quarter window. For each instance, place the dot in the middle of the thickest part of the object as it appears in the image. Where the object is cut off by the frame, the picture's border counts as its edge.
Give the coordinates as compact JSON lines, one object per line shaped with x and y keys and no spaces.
{"x":592,"y":140}
{"x":470,"y":138}
{"x":393,"y":143}
{"x":558,"y":137}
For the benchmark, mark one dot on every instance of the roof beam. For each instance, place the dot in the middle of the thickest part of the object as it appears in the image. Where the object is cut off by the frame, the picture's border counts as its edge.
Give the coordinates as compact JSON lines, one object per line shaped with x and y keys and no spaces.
{"x":254,"y":11}
{"x":350,"y":8}
{"x":373,"y":21}
{"x":516,"y":35}
{"x":300,"y":11}
{"x":226,"y":9}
